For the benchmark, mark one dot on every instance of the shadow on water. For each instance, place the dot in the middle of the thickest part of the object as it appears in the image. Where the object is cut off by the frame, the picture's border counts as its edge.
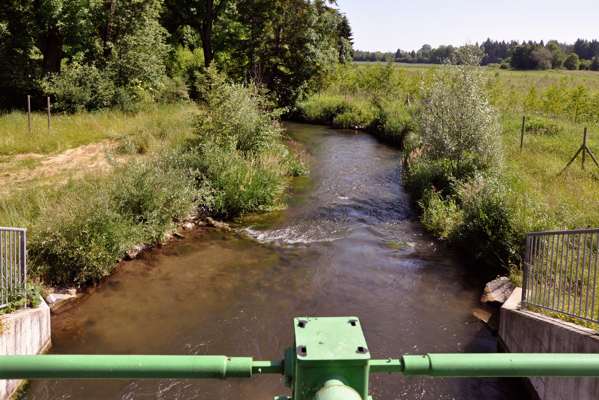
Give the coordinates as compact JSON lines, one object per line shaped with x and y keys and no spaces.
{"x":347,"y":245}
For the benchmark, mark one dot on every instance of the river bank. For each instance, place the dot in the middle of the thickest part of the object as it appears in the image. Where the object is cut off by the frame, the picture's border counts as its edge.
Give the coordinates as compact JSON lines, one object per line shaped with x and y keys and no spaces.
{"x":232,"y":161}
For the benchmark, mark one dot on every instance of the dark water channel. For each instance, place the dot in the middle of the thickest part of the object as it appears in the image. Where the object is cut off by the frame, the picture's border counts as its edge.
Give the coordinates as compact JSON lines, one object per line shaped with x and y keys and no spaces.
{"x":347,"y":245}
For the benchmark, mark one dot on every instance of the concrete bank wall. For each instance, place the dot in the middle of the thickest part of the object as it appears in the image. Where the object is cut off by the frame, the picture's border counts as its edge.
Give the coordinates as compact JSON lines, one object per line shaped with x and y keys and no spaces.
{"x":22,"y":333}
{"x":525,"y":332}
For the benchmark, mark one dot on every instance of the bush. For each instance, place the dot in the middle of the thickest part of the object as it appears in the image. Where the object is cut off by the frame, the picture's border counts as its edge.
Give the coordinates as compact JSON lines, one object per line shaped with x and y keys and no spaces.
{"x":96,"y":223}
{"x":439,"y":175}
{"x":323,"y":108}
{"x":440,"y":216}
{"x":457,"y":120}
{"x":81,"y":241}
{"x":487,"y":233}
{"x":239,"y":149}
{"x":80,"y":87}
{"x":239,"y":185}
{"x":238,"y":118}
{"x":151,"y":197}
{"x":542,"y":127}
{"x":355,"y":115}
{"x":392,"y":122}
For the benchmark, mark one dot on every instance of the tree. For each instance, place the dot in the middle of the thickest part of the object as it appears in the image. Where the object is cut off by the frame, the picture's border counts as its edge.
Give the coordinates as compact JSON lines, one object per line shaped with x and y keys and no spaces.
{"x":201,"y":15}
{"x":521,"y":57}
{"x":457,"y":121}
{"x":345,"y":40}
{"x":595,"y":64}
{"x":542,"y":58}
{"x":557,"y":54}
{"x":572,"y":61}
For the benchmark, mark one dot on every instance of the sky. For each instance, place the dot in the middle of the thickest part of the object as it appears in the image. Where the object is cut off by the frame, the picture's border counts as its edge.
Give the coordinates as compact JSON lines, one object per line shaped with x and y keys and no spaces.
{"x":387,"y":25}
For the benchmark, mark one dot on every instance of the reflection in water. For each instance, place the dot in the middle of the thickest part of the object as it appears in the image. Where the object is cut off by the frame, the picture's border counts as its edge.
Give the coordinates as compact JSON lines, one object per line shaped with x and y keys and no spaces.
{"x":347,"y":245}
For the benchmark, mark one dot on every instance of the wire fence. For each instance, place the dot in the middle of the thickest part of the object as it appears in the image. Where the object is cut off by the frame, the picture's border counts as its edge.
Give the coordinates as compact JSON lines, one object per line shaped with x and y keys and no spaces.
{"x":560,"y":273}
{"x":13,"y":264}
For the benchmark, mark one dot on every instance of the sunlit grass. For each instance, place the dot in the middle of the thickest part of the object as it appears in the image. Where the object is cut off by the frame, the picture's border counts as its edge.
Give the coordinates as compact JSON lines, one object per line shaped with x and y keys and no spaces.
{"x":73,"y":130}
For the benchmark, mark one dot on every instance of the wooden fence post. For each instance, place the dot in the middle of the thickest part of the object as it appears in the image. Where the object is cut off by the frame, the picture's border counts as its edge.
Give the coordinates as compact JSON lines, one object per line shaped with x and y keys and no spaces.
{"x":29,"y":113}
{"x":49,"y":115}
{"x":522,"y":132}
{"x":584,"y":145}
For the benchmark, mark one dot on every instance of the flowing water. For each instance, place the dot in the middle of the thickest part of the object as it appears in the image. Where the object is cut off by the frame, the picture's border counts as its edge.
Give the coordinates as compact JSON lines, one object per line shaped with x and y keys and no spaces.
{"x":347,"y":244}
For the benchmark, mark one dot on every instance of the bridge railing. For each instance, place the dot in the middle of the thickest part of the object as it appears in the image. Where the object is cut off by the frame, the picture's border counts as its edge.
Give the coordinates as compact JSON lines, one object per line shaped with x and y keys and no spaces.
{"x":13,"y":264}
{"x":561,"y":273}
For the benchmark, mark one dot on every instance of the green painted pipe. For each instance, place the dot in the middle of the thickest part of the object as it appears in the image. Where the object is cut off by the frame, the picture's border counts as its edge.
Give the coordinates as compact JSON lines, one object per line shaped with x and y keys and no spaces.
{"x":500,"y":365}
{"x":131,"y":367}
{"x":193,"y":367}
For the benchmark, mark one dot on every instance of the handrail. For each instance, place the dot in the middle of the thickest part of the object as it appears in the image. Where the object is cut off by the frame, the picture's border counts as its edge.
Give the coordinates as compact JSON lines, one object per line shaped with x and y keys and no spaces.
{"x":221,"y":367}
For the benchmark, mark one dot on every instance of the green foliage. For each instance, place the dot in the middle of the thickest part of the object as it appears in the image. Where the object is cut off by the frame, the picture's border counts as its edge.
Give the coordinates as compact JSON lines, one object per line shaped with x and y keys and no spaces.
{"x":237,"y":118}
{"x":572,"y":62}
{"x":80,"y":87}
{"x":239,"y":149}
{"x":80,"y":240}
{"x":487,"y":233}
{"x":457,"y":120}
{"x":440,"y":216}
{"x":540,"y":126}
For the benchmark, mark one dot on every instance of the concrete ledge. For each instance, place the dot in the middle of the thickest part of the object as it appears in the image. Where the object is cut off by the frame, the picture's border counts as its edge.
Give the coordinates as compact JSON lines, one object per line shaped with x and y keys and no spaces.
{"x":23,"y":332}
{"x":527,"y":332}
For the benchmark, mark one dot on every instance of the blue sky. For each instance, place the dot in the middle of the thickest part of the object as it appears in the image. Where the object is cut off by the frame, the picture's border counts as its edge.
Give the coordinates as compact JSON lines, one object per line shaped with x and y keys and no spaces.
{"x":407,"y":24}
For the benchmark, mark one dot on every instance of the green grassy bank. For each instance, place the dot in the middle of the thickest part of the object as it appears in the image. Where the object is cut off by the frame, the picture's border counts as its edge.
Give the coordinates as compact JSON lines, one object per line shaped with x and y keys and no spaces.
{"x":481,"y":205}
{"x":222,"y":158}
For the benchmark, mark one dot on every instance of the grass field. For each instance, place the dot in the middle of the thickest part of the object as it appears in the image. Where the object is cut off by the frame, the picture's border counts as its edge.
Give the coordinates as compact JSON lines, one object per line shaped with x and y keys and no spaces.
{"x":73,"y":130}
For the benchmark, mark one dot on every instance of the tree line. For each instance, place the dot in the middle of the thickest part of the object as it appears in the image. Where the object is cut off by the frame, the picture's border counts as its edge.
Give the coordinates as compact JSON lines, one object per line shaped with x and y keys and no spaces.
{"x":99,"y":53}
{"x":583,"y":54}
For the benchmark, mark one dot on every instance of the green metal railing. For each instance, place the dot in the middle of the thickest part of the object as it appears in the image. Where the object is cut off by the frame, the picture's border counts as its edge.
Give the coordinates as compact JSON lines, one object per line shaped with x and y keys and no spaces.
{"x":222,"y":367}
{"x":329,"y":361}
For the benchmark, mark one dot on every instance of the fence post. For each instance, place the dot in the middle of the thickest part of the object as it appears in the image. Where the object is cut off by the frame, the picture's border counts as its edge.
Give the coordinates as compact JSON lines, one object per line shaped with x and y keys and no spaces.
{"x":522,"y":132}
{"x":23,"y":260}
{"x":525,"y":272}
{"x":48,"y":114}
{"x":29,"y":113}
{"x":584,"y":144}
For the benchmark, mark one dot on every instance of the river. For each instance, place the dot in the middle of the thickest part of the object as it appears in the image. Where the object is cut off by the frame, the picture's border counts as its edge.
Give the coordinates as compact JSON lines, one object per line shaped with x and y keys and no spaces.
{"x":348,"y":244}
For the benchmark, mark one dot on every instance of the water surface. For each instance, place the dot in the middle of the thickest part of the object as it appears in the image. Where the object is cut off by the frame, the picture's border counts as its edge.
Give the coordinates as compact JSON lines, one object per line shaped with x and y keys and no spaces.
{"x":347,"y":245}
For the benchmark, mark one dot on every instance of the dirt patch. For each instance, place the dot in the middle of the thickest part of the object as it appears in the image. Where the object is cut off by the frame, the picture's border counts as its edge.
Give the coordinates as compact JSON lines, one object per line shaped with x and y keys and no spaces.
{"x":71,"y":163}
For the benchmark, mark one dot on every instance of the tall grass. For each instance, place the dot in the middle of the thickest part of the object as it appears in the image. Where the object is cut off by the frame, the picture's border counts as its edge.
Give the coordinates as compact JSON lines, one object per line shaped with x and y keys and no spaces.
{"x":73,"y":130}
{"x":232,"y":162}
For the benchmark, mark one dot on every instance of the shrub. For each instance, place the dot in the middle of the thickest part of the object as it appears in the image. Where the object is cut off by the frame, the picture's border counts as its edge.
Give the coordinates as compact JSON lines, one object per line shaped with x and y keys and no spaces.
{"x":487,"y":233}
{"x":239,"y":185}
{"x":151,"y":197}
{"x":542,"y":127}
{"x":457,"y":120}
{"x":440,"y":175}
{"x":440,"y":216}
{"x":81,"y":241}
{"x":355,"y":115}
{"x":238,"y":118}
{"x":80,"y":87}
{"x":392,"y":122}
{"x":239,"y":150}
{"x":323,"y":108}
